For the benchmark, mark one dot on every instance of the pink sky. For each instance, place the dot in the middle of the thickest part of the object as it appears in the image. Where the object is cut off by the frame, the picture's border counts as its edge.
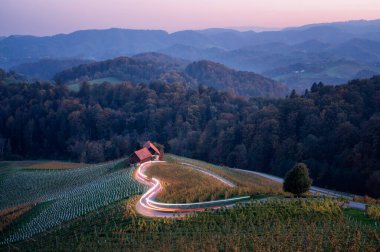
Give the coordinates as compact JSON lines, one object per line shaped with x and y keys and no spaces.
{"x":46,"y":17}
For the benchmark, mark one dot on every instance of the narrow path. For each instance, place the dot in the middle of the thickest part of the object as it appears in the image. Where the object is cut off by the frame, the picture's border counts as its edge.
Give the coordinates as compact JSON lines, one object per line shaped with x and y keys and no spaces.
{"x":147,"y":206}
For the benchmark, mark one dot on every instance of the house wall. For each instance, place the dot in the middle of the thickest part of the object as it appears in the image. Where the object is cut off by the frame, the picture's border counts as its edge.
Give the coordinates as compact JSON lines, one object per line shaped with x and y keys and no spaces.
{"x":134,"y":160}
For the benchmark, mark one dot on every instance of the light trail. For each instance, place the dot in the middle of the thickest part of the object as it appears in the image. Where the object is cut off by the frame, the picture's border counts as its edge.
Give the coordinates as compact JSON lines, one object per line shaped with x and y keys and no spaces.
{"x":159,"y":209}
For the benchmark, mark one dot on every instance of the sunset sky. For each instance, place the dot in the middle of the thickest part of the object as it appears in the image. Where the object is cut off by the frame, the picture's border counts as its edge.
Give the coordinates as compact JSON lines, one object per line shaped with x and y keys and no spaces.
{"x":46,"y":17}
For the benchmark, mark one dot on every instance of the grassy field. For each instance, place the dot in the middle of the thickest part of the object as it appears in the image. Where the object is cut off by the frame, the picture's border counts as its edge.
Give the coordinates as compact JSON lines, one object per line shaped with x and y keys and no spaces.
{"x":112,"y":80}
{"x":247,"y":183}
{"x":182,"y":184}
{"x":259,"y":226}
{"x":53,"y":165}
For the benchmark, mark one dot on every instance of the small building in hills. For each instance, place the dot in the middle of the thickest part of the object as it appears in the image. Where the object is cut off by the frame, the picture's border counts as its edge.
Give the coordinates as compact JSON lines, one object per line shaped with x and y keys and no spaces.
{"x":147,"y":153}
{"x":152,"y":149}
{"x":140,"y":156}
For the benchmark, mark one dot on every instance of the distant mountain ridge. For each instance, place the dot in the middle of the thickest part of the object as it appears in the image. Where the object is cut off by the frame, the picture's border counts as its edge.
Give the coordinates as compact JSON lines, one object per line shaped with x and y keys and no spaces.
{"x":145,"y":68}
{"x":262,"y":52}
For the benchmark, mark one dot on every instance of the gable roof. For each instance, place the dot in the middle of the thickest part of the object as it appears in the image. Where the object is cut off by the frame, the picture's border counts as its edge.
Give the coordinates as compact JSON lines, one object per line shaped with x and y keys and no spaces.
{"x":143,"y":153}
{"x":150,"y":145}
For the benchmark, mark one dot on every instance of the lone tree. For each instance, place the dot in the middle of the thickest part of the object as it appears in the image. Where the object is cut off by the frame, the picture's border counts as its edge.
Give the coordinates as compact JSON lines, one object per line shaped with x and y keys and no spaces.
{"x":297,"y":180}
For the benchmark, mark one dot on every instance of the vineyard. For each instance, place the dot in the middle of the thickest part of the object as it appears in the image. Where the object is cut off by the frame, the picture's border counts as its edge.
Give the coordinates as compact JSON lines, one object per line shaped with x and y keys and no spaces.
{"x":93,"y":208}
{"x":185,"y":185}
{"x":247,"y":183}
{"x":259,"y":226}
{"x":62,"y":195}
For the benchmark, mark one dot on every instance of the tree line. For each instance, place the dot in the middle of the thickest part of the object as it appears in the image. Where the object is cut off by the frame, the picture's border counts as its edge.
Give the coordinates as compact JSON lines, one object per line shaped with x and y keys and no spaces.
{"x":335,"y":130}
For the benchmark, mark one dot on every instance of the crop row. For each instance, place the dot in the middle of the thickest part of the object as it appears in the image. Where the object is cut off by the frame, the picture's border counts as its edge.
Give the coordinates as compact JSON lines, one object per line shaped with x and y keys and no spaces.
{"x":85,"y":195}
{"x":24,"y":186}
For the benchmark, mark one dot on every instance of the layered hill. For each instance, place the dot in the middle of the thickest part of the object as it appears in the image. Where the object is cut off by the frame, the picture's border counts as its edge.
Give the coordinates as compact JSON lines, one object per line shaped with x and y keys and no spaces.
{"x":325,"y":45}
{"x":145,"y":68}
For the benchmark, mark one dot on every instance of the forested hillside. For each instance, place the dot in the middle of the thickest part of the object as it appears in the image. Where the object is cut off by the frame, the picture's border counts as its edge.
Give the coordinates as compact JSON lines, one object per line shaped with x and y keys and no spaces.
{"x":46,"y":69}
{"x":141,"y":69}
{"x":148,"y":67}
{"x":335,"y":130}
{"x":242,"y":83}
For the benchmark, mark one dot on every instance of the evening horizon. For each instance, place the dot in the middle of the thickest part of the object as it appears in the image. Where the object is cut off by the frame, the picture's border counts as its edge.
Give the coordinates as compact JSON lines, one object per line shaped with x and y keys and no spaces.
{"x":21,"y":17}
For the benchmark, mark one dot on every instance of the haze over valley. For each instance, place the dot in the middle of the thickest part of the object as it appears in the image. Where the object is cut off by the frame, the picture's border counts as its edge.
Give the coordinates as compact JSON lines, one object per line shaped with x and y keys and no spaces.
{"x":331,"y":53}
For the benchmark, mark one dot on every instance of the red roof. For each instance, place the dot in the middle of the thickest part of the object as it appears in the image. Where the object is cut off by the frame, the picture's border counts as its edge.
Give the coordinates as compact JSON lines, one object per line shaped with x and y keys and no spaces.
{"x":143,"y":153}
{"x":150,"y":145}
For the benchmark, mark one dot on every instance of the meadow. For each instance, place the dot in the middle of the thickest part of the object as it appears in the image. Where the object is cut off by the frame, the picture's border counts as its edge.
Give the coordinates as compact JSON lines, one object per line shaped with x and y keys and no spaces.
{"x":247,"y":183}
{"x":182,"y":184}
{"x":53,"y":165}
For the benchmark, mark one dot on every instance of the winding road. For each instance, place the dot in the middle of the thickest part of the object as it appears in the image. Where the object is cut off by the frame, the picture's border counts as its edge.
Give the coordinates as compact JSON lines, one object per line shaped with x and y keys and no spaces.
{"x":147,"y":206}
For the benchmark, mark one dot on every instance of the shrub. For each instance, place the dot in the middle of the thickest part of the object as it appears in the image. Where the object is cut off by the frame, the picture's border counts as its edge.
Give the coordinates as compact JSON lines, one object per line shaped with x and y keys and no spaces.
{"x":297,"y":180}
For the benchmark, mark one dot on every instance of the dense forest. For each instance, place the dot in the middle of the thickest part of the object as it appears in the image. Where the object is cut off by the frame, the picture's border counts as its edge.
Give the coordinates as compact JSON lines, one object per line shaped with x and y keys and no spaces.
{"x":147,"y":67}
{"x":335,"y":130}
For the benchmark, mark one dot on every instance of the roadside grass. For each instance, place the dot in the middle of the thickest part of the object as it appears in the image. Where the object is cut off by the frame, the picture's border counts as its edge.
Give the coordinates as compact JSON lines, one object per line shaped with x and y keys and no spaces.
{"x":257,"y":226}
{"x":248,"y":183}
